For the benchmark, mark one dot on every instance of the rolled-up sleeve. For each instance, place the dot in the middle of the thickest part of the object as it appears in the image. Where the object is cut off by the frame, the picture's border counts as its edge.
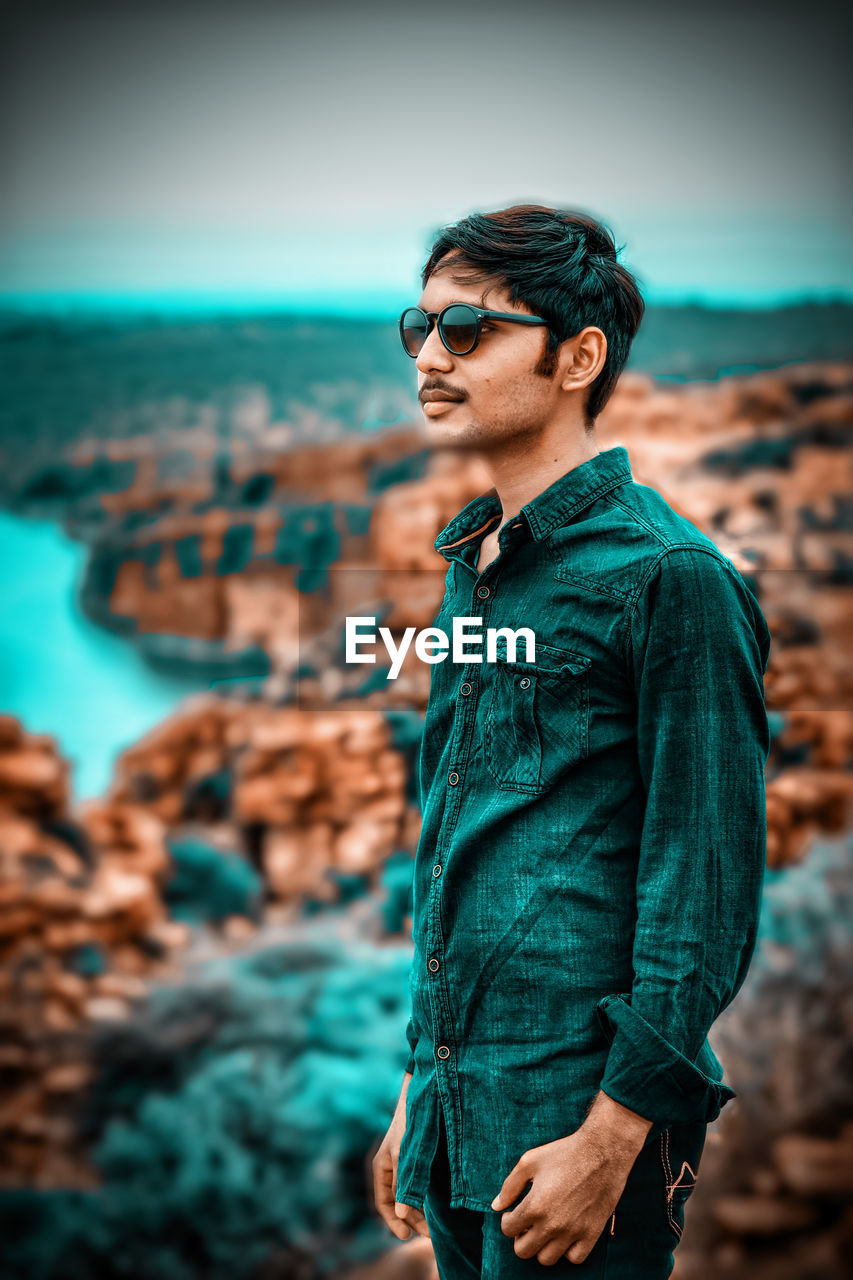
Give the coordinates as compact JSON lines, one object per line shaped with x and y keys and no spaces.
{"x":697,"y":647}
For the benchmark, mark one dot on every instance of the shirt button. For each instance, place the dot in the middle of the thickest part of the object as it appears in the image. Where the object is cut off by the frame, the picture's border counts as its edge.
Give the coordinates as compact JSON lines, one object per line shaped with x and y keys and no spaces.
{"x":482,"y":592}
{"x":465,"y":689}
{"x":434,"y":965}
{"x":525,"y":683}
{"x":443,"y":1051}
{"x":436,"y":871}
{"x":453,"y":779}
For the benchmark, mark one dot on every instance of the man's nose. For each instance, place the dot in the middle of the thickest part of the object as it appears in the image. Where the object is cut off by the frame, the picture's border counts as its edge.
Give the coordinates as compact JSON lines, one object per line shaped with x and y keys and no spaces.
{"x":434,"y":354}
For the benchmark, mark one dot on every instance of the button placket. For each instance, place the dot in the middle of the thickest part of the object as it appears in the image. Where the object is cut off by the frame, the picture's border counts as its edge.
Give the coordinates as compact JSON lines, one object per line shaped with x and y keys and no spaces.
{"x":448,"y":1086}
{"x":464,"y":718}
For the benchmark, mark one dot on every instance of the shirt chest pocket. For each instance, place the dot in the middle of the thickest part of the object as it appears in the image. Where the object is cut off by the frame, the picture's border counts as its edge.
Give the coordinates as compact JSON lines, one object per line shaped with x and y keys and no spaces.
{"x":537,"y":719}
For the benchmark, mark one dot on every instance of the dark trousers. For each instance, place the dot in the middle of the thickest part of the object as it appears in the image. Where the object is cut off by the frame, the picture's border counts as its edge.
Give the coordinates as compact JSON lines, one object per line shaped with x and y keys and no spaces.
{"x":637,"y":1242}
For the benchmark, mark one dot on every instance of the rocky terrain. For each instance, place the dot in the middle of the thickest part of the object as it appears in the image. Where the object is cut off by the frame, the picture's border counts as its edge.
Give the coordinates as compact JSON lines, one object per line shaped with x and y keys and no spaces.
{"x":280,"y":821}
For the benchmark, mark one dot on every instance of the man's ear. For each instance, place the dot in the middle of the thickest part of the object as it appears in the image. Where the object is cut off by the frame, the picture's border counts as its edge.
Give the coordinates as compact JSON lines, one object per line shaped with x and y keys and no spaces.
{"x":582,"y":358}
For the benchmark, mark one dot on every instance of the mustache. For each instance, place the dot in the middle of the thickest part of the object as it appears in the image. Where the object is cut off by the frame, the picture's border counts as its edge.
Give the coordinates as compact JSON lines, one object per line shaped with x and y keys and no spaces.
{"x":429,"y":387}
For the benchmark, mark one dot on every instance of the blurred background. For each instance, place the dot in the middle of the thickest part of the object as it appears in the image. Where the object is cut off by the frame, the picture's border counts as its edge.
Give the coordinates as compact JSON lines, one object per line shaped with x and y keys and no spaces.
{"x":211,"y":452}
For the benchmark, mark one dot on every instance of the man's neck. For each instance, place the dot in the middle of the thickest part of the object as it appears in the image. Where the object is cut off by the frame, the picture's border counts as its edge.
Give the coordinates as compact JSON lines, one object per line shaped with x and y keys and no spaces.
{"x":520,"y":476}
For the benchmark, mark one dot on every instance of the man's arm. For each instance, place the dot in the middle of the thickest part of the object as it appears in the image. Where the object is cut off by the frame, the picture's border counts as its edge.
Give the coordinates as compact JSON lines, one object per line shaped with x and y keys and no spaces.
{"x":697,"y":647}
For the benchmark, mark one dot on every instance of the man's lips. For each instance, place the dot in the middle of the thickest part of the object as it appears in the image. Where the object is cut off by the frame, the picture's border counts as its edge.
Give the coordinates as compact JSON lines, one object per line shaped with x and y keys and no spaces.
{"x":435,"y":402}
{"x":443,"y":404}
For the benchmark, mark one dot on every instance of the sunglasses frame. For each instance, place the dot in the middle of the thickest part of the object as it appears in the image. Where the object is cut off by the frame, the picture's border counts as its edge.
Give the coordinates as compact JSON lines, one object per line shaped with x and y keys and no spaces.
{"x":435,"y":318}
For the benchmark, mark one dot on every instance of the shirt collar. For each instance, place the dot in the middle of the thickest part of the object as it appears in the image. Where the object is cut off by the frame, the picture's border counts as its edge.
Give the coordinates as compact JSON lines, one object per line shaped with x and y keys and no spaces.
{"x":555,"y":506}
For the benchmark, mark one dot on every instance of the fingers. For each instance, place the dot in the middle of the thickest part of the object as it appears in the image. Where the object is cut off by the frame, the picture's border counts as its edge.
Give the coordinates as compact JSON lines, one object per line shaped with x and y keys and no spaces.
{"x":513,"y":1185}
{"x":384,"y":1192}
{"x":584,"y":1245}
{"x":534,"y":1237}
{"x":550,"y":1249}
{"x":553,"y":1251}
{"x":518,"y":1221}
{"x":401,"y":1219}
{"x":579,"y":1251}
{"x":414,"y":1217}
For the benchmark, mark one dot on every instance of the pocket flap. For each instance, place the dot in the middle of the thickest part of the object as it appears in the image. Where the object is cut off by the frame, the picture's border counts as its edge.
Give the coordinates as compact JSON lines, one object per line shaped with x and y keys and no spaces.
{"x":549,"y":659}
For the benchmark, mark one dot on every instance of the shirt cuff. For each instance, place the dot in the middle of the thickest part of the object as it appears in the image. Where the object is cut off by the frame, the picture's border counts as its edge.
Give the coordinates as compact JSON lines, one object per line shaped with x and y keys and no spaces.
{"x":649,"y":1075}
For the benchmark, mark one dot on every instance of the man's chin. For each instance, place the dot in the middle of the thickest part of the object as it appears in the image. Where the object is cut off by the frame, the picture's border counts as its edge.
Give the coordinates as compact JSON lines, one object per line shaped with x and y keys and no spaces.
{"x":454,"y":428}
{"x":447,"y":429}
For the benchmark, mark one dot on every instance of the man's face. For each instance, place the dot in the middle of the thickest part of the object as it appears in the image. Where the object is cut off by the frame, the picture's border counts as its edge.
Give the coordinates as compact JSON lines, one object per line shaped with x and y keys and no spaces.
{"x":502,"y":398}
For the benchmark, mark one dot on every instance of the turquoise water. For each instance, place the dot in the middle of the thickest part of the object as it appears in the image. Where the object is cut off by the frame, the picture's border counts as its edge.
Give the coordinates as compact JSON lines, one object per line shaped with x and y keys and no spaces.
{"x":60,"y":673}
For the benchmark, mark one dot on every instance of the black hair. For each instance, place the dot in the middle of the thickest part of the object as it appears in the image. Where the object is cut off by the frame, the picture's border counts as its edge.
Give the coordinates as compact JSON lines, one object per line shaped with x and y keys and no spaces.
{"x":562,"y":265}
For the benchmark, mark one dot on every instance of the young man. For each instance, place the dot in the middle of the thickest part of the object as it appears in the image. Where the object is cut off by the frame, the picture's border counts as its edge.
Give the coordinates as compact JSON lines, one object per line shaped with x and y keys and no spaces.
{"x":588,"y":877}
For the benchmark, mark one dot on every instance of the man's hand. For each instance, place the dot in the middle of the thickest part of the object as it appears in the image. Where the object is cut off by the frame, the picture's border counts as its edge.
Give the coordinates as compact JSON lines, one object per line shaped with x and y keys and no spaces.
{"x":402,"y":1219}
{"x":575,"y":1186}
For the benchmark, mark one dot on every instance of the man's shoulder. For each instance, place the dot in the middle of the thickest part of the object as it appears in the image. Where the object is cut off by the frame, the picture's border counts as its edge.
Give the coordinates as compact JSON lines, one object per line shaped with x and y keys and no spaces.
{"x":659,"y":527}
{"x":632,"y":532}
{"x":680,"y":568}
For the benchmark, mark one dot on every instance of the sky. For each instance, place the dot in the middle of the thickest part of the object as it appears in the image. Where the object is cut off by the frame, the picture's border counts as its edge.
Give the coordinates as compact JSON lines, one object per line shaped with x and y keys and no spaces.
{"x":250,"y":153}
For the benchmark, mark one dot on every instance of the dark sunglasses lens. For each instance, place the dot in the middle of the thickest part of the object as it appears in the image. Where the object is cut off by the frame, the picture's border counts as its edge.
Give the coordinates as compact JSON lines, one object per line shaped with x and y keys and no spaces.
{"x":413,"y":330}
{"x":459,"y":328}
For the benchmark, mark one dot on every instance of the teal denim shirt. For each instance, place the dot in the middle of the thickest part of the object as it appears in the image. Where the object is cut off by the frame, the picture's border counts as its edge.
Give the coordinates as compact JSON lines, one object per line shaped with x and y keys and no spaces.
{"x":588,"y":876}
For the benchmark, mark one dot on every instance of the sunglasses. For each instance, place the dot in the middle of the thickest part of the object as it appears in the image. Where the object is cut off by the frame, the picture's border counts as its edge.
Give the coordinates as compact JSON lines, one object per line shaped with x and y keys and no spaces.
{"x":459,"y":326}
